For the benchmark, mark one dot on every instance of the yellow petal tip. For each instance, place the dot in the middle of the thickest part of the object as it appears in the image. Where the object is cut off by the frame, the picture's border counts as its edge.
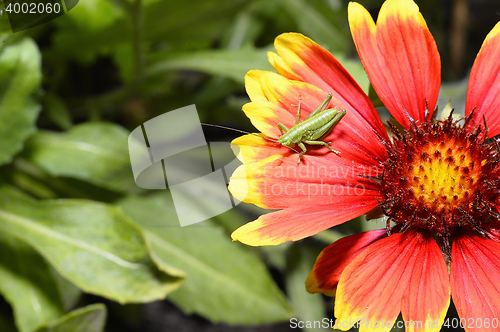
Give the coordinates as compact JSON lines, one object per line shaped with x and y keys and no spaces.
{"x":252,"y":234}
{"x":358,"y":15}
{"x":312,"y":286}
{"x":248,"y":234}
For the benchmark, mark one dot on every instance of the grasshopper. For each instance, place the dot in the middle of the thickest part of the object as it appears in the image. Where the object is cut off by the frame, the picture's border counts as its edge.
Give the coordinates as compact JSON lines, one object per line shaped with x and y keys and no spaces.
{"x":316,"y":126}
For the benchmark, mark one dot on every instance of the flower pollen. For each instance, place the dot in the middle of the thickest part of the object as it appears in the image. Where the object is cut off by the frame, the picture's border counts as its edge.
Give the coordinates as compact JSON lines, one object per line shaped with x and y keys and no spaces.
{"x":440,"y":176}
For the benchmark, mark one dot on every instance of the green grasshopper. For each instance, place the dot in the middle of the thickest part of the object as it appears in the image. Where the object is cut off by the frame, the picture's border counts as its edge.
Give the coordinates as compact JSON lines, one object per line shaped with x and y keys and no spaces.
{"x":316,"y":126}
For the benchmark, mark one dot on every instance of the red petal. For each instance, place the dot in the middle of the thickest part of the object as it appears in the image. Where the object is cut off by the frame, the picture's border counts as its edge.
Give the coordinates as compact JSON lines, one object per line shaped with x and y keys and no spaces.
{"x":300,"y":222}
{"x":483,"y":93}
{"x":278,"y":182}
{"x":404,"y":272}
{"x":400,"y":57}
{"x":316,"y":195}
{"x":332,"y":261}
{"x":475,"y":275}
{"x":428,"y":296}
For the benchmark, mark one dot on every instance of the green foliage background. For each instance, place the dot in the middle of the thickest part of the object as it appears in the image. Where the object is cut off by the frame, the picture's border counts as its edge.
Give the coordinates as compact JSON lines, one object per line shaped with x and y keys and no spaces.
{"x":78,"y":237}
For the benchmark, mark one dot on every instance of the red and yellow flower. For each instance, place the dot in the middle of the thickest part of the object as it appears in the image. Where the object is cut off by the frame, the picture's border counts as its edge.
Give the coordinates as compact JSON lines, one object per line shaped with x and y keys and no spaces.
{"x":438,"y":181}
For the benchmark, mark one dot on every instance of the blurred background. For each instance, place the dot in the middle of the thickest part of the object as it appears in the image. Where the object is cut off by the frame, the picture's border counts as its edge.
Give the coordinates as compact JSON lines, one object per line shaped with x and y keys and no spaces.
{"x":82,"y":247}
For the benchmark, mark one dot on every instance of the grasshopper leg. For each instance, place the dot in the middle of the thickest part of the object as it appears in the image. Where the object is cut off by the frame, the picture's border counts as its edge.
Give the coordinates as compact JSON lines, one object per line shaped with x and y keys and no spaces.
{"x":322,"y":107}
{"x":298,"y":111}
{"x":324,"y":144}
{"x":282,"y":128}
{"x":301,"y":153}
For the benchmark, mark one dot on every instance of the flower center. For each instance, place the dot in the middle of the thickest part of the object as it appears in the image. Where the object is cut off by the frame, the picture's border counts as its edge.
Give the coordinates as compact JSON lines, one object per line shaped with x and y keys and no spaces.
{"x":440,"y":176}
{"x":443,"y":174}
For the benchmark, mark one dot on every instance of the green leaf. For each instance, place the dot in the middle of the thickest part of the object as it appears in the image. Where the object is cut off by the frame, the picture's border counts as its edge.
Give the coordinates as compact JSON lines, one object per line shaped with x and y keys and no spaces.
{"x":233,"y":64}
{"x":4,"y":20}
{"x":172,"y":21}
{"x":20,"y":77}
{"x":88,"y":319}
{"x":309,"y":307}
{"x":316,"y":26}
{"x":329,"y":236}
{"x":57,"y":112}
{"x":224,"y":282}
{"x":95,"y":14}
{"x":70,"y":294}
{"x":27,"y":284}
{"x":123,"y":57}
{"x":93,"y":152}
{"x":92,"y":245}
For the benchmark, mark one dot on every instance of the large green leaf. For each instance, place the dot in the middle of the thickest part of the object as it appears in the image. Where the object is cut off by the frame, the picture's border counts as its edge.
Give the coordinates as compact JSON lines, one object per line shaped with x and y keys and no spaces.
{"x":93,"y":245}
{"x":20,"y":77}
{"x":233,"y":64}
{"x":94,"y":152}
{"x":27,"y":284}
{"x":316,"y":26}
{"x":89,"y":319}
{"x":224,"y":281}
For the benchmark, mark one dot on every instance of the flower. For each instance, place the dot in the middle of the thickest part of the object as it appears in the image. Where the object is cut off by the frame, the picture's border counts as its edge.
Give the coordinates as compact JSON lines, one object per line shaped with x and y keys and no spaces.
{"x":324,"y":190}
{"x":437,"y":180}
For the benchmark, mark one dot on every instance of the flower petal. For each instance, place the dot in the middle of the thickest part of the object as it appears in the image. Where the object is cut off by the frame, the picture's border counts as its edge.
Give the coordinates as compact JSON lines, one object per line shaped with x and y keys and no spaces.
{"x":400,"y":57}
{"x":426,"y":301}
{"x":403,"y":272}
{"x":474,"y":274}
{"x":277,"y":182}
{"x":281,"y":66}
{"x":317,"y":194}
{"x":265,"y":116}
{"x":250,"y":148}
{"x":332,"y":261}
{"x":296,"y":223}
{"x":315,"y":65}
{"x":252,"y":85}
{"x":483,"y":93}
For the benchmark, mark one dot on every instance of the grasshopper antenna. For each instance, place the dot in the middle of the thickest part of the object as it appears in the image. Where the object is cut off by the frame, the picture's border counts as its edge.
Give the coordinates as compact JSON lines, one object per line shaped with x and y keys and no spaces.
{"x":246,"y":132}
{"x":241,"y":131}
